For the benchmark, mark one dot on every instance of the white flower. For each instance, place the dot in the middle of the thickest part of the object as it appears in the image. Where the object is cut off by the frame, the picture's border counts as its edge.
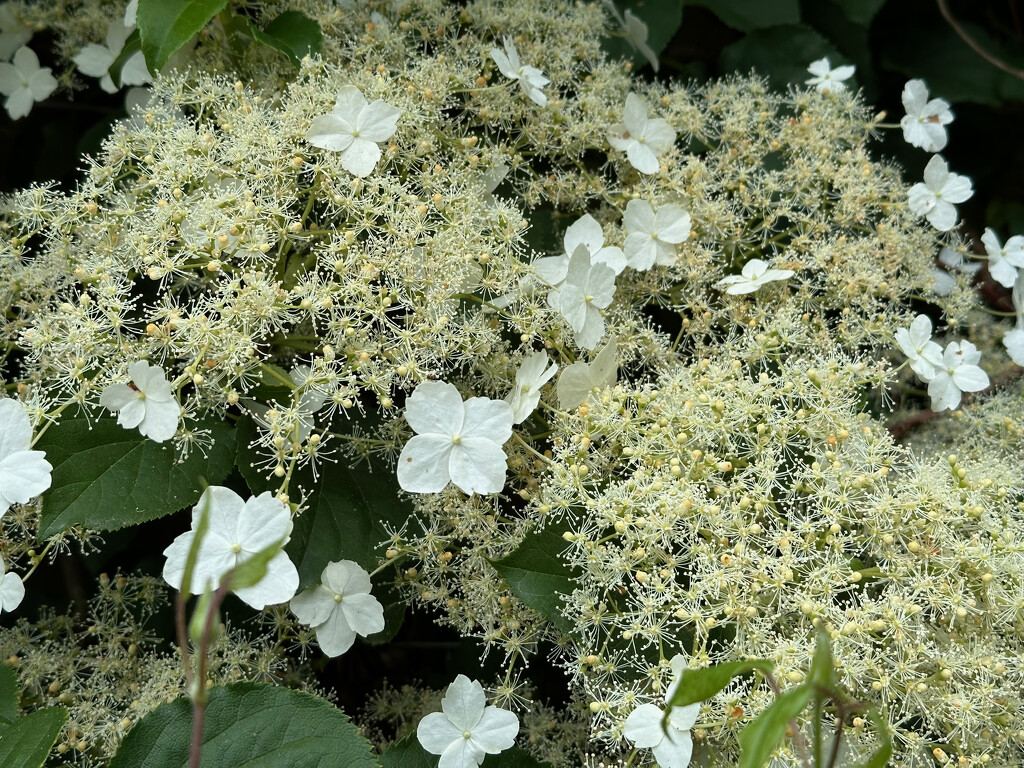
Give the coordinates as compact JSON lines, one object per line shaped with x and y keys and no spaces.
{"x":953,"y":261}
{"x":310,"y":401}
{"x":148,"y":404}
{"x":925,"y":355}
{"x":466,"y":730}
{"x":354,"y":128}
{"x":643,"y":140}
{"x":636,"y":34}
{"x":237,"y":530}
{"x":24,"y":83}
{"x":651,"y":237}
{"x":455,"y":441}
{"x":828,"y":79}
{"x":934,"y":198}
{"x":24,"y":473}
{"x":1014,"y":340}
{"x":923,"y":125}
{"x":754,"y":274}
{"x":588,"y":288}
{"x":13,"y":33}
{"x":531,"y":79}
{"x":533,"y":374}
{"x":587,"y":232}
{"x":12,"y":589}
{"x":340,"y":607}
{"x":1003,"y":260}
{"x":95,"y":60}
{"x":131,"y":12}
{"x":957,"y":373}
{"x":580,"y":379}
{"x":672,"y":745}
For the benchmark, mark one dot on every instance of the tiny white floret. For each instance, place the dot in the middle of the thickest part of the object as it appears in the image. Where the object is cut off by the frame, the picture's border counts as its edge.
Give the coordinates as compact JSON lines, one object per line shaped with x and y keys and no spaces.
{"x":466,"y":729}
{"x":24,"y":473}
{"x":339,"y":607}
{"x":531,"y":79}
{"x":354,"y":128}
{"x":935,"y":198}
{"x":455,"y":441}
{"x":828,"y":79}
{"x":925,"y":123}
{"x":237,"y":530}
{"x":148,"y":404}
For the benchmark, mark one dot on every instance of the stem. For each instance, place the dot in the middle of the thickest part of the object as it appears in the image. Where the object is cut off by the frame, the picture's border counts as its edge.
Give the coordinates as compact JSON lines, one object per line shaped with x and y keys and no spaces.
{"x":199,"y":698}
{"x":974,"y":44}
{"x":38,"y":559}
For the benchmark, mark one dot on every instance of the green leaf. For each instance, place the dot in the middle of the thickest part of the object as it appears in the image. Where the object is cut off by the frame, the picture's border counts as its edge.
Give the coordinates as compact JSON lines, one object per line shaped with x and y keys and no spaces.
{"x":251,"y":571}
{"x":780,"y":53}
{"x":860,"y":11}
{"x":8,"y":695}
{"x":106,"y":477}
{"x":748,"y":15}
{"x":822,"y":673}
{"x":884,"y":753}
{"x":131,"y":46}
{"x":26,"y":742}
{"x":250,"y":724}
{"x":759,"y":738}
{"x":292,"y":33}
{"x":348,"y":508}
{"x":701,"y":684}
{"x":537,"y":575}
{"x":166,"y":25}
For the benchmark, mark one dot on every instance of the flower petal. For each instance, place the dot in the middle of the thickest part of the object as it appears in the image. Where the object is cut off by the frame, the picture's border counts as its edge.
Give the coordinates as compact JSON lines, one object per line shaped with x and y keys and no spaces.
{"x":496,"y":730}
{"x":435,"y":407}
{"x":463,"y":703}
{"x":643,"y":726}
{"x":478,"y":465}
{"x":335,"y":636}
{"x":313,"y":606}
{"x":360,"y":158}
{"x":489,"y":419}
{"x":278,"y":585}
{"x":436,"y":733}
{"x":364,"y":613}
{"x":423,"y":466}
{"x":15,"y":427}
{"x":378,"y":121}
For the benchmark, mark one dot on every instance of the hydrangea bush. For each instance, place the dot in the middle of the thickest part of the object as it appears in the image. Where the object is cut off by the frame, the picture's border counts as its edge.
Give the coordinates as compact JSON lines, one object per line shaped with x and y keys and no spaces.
{"x":454,"y":313}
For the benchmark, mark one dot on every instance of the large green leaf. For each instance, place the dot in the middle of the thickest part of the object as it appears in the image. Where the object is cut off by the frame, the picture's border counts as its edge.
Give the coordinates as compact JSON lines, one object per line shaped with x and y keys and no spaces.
{"x":292,"y":33}
{"x":106,"y":477}
{"x":537,"y":575}
{"x":25,"y":743}
{"x":760,"y":737}
{"x":346,"y":512}
{"x":252,"y":725}
{"x":701,"y":684}
{"x":748,"y":15}
{"x":8,"y":695}
{"x":780,"y":53}
{"x":166,"y":25}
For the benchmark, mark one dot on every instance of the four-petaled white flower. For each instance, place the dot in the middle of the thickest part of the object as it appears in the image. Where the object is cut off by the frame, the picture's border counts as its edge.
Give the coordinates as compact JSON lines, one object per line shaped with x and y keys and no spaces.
{"x":652,"y":237}
{"x":95,"y":60}
{"x":828,"y":79}
{"x":236,"y":531}
{"x":925,"y":121}
{"x":354,"y":128}
{"x":339,"y":607}
{"x":957,"y":373}
{"x":13,"y":33}
{"x":533,"y":374}
{"x":466,"y":729}
{"x":531,"y":79}
{"x":588,"y":288}
{"x":24,"y":473}
{"x":581,"y":379}
{"x":935,"y":198}
{"x":24,"y":83}
{"x":455,"y":441}
{"x":643,"y":140}
{"x":1003,"y":260}
{"x":587,"y":232}
{"x":672,"y":744}
{"x":754,"y":274}
{"x":12,"y":589}
{"x":148,"y":404}
{"x":925,"y":355}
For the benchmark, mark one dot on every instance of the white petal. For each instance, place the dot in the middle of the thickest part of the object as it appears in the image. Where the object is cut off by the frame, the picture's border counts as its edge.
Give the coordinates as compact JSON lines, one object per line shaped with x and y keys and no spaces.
{"x":360,"y":158}
{"x":313,"y":606}
{"x":378,"y":121}
{"x":26,"y":61}
{"x":477,"y":465}
{"x":133,"y":413}
{"x":435,"y":407}
{"x":265,"y":519}
{"x":161,"y":420}
{"x":641,"y":250}
{"x":643,"y":726}
{"x":335,"y":636}
{"x":463,"y":703}
{"x":915,"y":96}
{"x":24,"y":475}
{"x":436,"y":733}
{"x":584,"y":231}
{"x":957,"y":189}
{"x":94,"y":60}
{"x":10,"y":78}
{"x":349,"y":104}
{"x":639,"y":217}
{"x":504,"y":65}
{"x":278,"y":585}
{"x":936,"y":173}
{"x":675,"y":751}
{"x":12,"y":592}
{"x":423,"y":464}
{"x":19,"y":103}
{"x":462,"y":753}
{"x":330,"y":132}
{"x":496,"y":730}
{"x":942,"y":216}
{"x":672,"y":224}
{"x":15,"y":427}
{"x":346,"y":577}
{"x":635,"y":115}
{"x":659,"y":136}
{"x":364,"y":613}
{"x":970,"y":378}
{"x":642,"y":158}
{"x":488,"y":419}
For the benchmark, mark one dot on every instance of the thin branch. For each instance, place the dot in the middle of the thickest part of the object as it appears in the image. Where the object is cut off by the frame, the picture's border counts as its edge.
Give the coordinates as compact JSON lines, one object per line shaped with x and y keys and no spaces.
{"x":975,"y":46}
